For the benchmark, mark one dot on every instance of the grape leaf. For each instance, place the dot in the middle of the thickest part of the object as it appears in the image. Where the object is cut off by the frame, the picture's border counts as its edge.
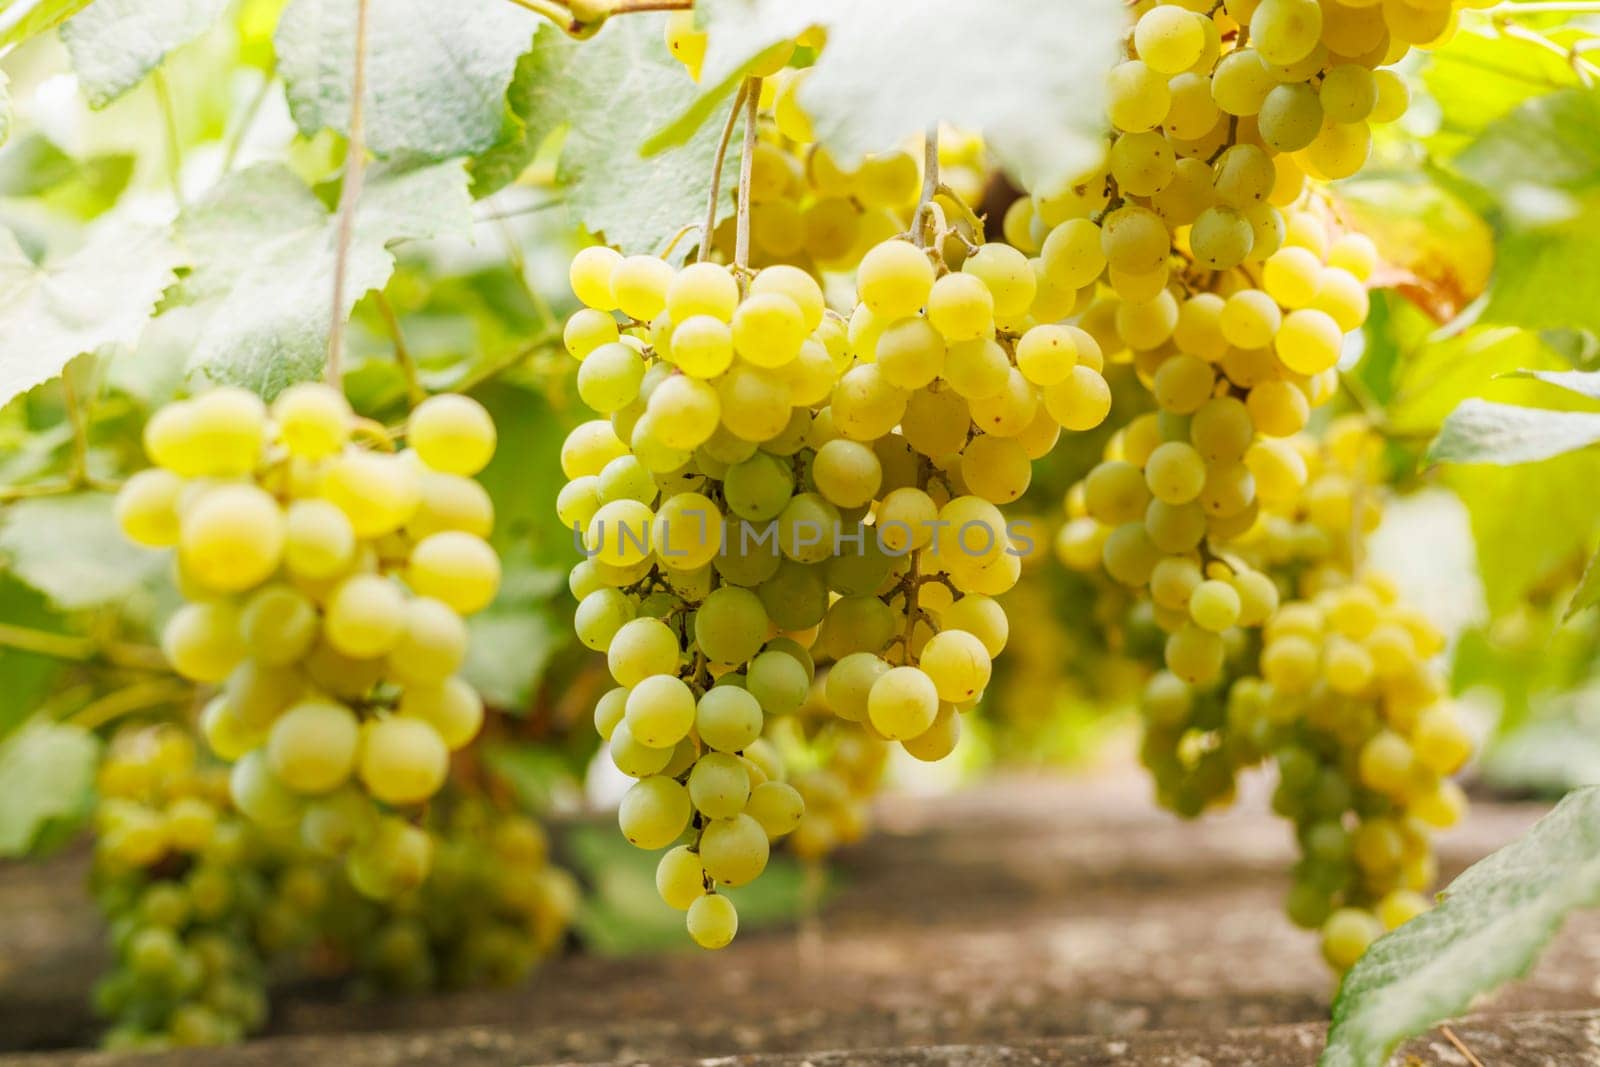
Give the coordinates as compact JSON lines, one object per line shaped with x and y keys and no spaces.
{"x":115,"y":43}
{"x":1492,"y":923}
{"x":21,"y":19}
{"x":436,"y":73}
{"x":46,"y":773}
{"x":1482,"y":432}
{"x":1031,"y":79}
{"x":70,"y":549}
{"x":100,"y":294}
{"x":1583,"y":382}
{"x":609,"y":92}
{"x":263,"y":248}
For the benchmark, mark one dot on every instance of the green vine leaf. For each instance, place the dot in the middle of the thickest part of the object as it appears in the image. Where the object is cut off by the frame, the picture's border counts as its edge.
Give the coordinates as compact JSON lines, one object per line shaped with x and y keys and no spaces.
{"x":70,"y":549}
{"x":1483,"y":432}
{"x":264,"y":250}
{"x":20,"y":21}
{"x":46,"y":773}
{"x":115,"y":43}
{"x":1492,"y":923}
{"x":101,"y":294}
{"x":1031,"y":80}
{"x":436,"y":72}
{"x":608,"y":93}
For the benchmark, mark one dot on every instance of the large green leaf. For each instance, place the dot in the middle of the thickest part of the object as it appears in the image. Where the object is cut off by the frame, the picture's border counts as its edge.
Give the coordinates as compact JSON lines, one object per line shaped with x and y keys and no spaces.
{"x":1476,"y":79}
{"x":1031,"y":78}
{"x":608,"y":93}
{"x":1542,"y":163}
{"x":21,"y":19}
{"x":1482,"y":432}
{"x":264,"y":255}
{"x":436,"y":72}
{"x":70,"y":549}
{"x":115,"y":43}
{"x":101,"y":294}
{"x":46,"y":773}
{"x":1492,"y":923}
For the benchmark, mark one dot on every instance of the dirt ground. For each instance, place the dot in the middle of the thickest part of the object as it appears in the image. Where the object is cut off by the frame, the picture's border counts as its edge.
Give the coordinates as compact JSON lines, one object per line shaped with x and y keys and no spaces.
{"x":1029,"y":921}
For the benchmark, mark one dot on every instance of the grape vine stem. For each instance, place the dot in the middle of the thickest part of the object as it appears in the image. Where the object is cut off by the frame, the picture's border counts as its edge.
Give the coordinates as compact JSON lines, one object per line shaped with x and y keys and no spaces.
{"x":169,"y":126}
{"x":140,"y":696}
{"x":81,"y":649}
{"x":402,"y":355}
{"x":349,"y":195}
{"x":930,"y":185}
{"x":747,"y":159}
{"x":710,"y":225}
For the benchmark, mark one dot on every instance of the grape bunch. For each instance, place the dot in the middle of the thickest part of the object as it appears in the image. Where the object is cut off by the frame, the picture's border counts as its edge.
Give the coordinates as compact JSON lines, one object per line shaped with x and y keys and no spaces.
{"x":184,"y":882}
{"x":326,"y":584}
{"x":775,"y":485}
{"x":206,"y":906}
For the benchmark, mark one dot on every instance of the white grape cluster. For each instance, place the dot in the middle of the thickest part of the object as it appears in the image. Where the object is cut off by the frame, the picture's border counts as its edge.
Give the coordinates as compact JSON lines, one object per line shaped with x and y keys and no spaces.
{"x":774,"y":483}
{"x":327,"y":584}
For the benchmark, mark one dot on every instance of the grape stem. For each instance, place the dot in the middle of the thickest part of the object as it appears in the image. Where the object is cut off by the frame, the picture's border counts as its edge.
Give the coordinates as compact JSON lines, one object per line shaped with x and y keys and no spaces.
{"x":402,"y":355}
{"x":349,"y":195}
{"x":1585,"y":71}
{"x":78,"y":476}
{"x":169,"y":125}
{"x":1450,"y":1036}
{"x":140,"y":696}
{"x":741,"y":244}
{"x":710,"y":225}
{"x":81,"y":649}
{"x":930,"y":185}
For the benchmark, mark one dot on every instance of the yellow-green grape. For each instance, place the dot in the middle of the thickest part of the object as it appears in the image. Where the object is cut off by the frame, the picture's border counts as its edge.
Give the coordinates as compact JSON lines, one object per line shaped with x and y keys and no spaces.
{"x":847,"y":473}
{"x":1073,"y":255}
{"x":641,"y":648}
{"x":1222,"y":430}
{"x":394,"y":860}
{"x":1258,"y":597}
{"x":719,"y":785}
{"x":1173,"y":582}
{"x":634,"y":759}
{"x":1241,"y":82}
{"x":957,"y":663}
{"x":902,"y":703}
{"x":1221,"y":238}
{"x":1195,"y":654}
{"x":451,"y":502}
{"x":1339,"y":151}
{"x":894,"y":279}
{"x":1214,"y":605}
{"x":147,"y":508}
{"x":1400,"y":906}
{"x":1010,"y":412}
{"x":452,"y":433}
{"x":365,"y":616}
{"x":1175,"y":472}
{"x":639,"y":284}
{"x":961,"y":307}
{"x":684,"y":412}
{"x":1441,"y":743}
{"x":224,"y":734}
{"x":1007,"y":275}
{"x":202,"y":641}
{"x":1342,"y":296}
{"x":996,"y":468}
{"x":1386,"y":763}
{"x":712,"y":921}
{"x":1278,"y":408}
{"x":1138,"y":97}
{"x":313,"y":420}
{"x":1349,"y":93}
{"x":1169,"y":38}
{"x":1135,"y":240}
{"x":1115,"y":492}
{"x":1309,"y":341}
{"x":1286,"y":31}
{"x":1346,"y":936}
{"x":403,"y":760}
{"x":1392,"y":96}
{"x":590,"y":277}
{"x":1291,"y":117}
{"x":734,"y":850}
{"x":702,"y":346}
{"x":458,"y":568}
{"x":231,"y":538}
{"x":319,"y":540}
{"x":728,"y":719}
{"x":660,"y":711}
{"x":796,"y":284}
{"x":278,"y":625}
{"x":1081,"y":401}
{"x":225,"y":431}
{"x":588,"y":330}
{"x":680,"y":877}
{"x":1291,"y":276}
{"x":777,"y":806}
{"x":778,"y":681}
{"x":768,"y":330}
{"x":452,"y":707}
{"x":702,"y":289}
{"x":755,"y":402}
{"x":312,"y":746}
{"x":977,"y":369}
{"x":260,"y":795}
{"x":654,"y":812}
{"x":910,"y":353}
{"x":1142,"y":163}
{"x":1047,"y":354}
{"x":377,"y":493}
{"x":609,"y":377}
{"x":1166,"y":699}
{"x":866,"y":406}
{"x":1182,"y":384}
{"x":432,"y":644}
